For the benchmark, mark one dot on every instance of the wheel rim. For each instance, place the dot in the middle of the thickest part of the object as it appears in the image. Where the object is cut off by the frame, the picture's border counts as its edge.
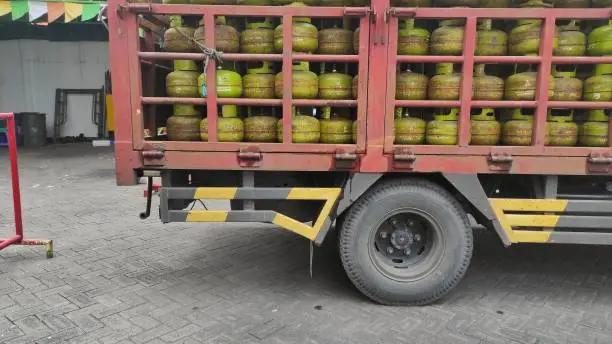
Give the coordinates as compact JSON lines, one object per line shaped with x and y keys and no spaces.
{"x":406,"y":245}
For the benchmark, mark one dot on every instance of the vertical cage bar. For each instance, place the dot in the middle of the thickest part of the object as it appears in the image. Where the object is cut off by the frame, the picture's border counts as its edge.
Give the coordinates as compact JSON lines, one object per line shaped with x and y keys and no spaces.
{"x":11,"y":137}
{"x":211,"y":79}
{"x":150,"y":111}
{"x":287,"y":79}
{"x":546,"y":47}
{"x":389,"y":130}
{"x":362,"y":88}
{"x":469,"y":44}
{"x":135,"y":77}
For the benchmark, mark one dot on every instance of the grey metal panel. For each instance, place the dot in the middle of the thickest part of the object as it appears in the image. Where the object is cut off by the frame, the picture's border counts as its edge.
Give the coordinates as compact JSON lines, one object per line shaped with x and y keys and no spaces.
{"x":588,"y":206}
{"x":163,"y":205}
{"x":356,"y":186}
{"x":469,"y":186}
{"x":262,"y":193}
{"x":574,"y":221}
{"x":250,"y":216}
{"x":248,"y":181}
{"x":177,"y":215}
{"x":580,"y":238}
{"x":551,"y":185}
{"x":323,"y":232}
{"x":180,"y":193}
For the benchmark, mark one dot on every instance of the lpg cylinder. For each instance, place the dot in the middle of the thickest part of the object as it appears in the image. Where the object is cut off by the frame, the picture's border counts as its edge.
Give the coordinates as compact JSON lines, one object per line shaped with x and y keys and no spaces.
{"x":524,"y":39}
{"x":486,"y":87}
{"x":260,"y":127}
{"x":178,"y":37}
{"x":485,"y":129}
{"x":335,"y":41}
{"x":227,"y":39}
{"x":304,"y":128}
{"x":183,"y":125}
{"x":338,"y":3}
{"x":335,"y":85}
{"x":411,"y":3}
{"x":562,"y":131}
{"x":259,"y":82}
{"x":570,"y":41}
{"x":305,"y":84}
{"x":567,"y":86}
{"x":445,"y":85}
{"x":230,"y":128}
{"x":335,"y":127}
{"x":490,"y":42}
{"x":305,"y":36}
{"x":598,"y":88}
{"x":600,"y":40}
{"x":522,"y":86}
{"x":183,"y":82}
{"x":494,"y":3}
{"x":412,"y":40}
{"x":229,"y":83}
{"x":533,"y":3}
{"x":356,"y":41}
{"x":408,"y":130}
{"x":411,"y":85}
{"x":519,"y":130}
{"x":443,"y":129}
{"x":448,"y":38}
{"x":457,"y":3}
{"x":601,"y":3}
{"x":571,"y":3}
{"x":355,"y":87}
{"x":258,"y":38}
{"x":594,"y":132}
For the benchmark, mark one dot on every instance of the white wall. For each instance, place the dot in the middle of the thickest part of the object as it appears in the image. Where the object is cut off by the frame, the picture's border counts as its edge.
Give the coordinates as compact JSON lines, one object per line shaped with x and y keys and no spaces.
{"x":31,"y":70}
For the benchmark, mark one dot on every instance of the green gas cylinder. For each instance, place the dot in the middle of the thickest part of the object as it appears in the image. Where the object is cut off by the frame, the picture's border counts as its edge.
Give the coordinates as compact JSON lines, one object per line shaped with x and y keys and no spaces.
{"x":305,"y":128}
{"x":260,"y":127}
{"x":355,"y":86}
{"x":490,"y":42}
{"x":561,"y":129}
{"x":598,"y":88}
{"x":259,"y":82}
{"x":183,"y":124}
{"x":178,"y":37}
{"x":522,"y":86}
{"x":229,"y":82}
{"x":410,"y":85}
{"x":594,"y":132}
{"x":412,"y":40}
{"x":445,"y":85}
{"x":335,"y":85}
{"x":305,"y":36}
{"x":570,"y":41}
{"x":335,"y":41}
{"x":408,"y":130}
{"x":443,"y":129}
{"x":524,"y":39}
{"x":336,"y":127}
{"x":519,"y":130}
{"x":227,"y":38}
{"x":258,"y":38}
{"x":486,"y":87}
{"x":183,"y":82}
{"x":230,"y":128}
{"x":600,"y":40}
{"x":305,"y":84}
{"x":567,"y":86}
{"x":448,"y":38}
{"x":485,"y":129}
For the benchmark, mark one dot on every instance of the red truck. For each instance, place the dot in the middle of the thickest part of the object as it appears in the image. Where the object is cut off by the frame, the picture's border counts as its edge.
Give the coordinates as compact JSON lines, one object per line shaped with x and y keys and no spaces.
{"x":525,"y":153}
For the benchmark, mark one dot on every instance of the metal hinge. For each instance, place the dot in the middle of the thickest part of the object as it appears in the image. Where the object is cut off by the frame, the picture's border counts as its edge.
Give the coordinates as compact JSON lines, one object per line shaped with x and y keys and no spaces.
{"x":249,"y":157}
{"x":345,"y":159}
{"x":599,"y":161}
{"x":403,"y":158}
{"x":500,"y":161}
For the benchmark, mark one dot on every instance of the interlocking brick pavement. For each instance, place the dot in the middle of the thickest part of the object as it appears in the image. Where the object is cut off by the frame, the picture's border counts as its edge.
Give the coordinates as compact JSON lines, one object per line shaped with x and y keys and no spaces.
{"x":117,"y":279}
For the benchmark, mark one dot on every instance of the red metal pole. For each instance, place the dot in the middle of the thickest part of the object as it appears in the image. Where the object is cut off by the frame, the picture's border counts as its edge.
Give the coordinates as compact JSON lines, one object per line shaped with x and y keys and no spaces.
{"x":287,"y":70}
{"x":469,"y":44}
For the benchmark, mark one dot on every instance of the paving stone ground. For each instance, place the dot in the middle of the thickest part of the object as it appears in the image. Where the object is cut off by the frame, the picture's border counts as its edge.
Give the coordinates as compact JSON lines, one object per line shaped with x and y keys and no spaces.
{"x":117,"y":279}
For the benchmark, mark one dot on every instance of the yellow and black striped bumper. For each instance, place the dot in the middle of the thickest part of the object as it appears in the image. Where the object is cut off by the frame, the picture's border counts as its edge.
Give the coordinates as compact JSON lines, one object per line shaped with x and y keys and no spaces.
{"x":316,"y":232}
{"x":554,"y":220}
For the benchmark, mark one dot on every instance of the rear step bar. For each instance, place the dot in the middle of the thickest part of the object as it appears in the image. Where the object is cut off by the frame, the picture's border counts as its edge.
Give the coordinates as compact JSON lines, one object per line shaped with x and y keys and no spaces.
{"x":315,"y":233}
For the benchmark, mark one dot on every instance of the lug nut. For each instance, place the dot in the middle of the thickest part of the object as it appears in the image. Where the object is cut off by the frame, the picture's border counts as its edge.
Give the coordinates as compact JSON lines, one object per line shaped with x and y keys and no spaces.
{"x":407,"y":251}
{"x":417,"y":237}
{"x":390,"y":250}
{"x":383,"y":235}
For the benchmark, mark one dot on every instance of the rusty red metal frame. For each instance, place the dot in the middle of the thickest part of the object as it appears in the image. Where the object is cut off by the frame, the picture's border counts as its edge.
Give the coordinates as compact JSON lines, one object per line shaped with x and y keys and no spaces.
{"x":376,"y":61}
{"x":18,"y":239}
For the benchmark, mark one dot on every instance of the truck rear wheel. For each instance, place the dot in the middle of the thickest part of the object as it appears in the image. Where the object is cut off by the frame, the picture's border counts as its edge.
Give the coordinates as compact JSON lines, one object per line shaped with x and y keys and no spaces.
{"x":405,"y":242}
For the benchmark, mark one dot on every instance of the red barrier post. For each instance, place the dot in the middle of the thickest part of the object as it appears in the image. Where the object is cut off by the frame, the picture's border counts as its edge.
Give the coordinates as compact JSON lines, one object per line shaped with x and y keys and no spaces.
{"x":18,"y":239}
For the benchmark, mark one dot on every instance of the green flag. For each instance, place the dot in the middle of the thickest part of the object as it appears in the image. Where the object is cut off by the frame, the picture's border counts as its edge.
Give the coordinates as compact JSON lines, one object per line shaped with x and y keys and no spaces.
{"x":90,"y":11}
{"x":19,"y":9}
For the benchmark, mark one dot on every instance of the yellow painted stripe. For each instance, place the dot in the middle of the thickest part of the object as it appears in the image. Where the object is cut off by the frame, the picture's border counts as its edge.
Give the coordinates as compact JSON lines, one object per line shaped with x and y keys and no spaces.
{"x":206,"y":216}
{"x":532,"y":220}
{"x":531,"y":236}
{"x":535,"y":205}
{"x":215,"y":193}
{"x":313,"y":193}
{"x":294,"y":226}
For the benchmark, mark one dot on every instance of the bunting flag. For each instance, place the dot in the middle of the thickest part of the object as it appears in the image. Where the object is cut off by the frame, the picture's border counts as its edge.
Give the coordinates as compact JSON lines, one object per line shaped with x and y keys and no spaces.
{"x":35,"y":10}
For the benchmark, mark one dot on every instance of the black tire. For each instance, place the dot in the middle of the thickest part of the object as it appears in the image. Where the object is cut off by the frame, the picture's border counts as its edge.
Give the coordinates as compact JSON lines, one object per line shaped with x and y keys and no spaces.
{"x":422,"y":280}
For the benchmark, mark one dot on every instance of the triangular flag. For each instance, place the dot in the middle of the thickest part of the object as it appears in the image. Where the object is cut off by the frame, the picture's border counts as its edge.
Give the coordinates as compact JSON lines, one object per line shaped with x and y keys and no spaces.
{"x":54,"y":11}
{"x":37,"y":9}
{"x":72,"y":11}
{"x":19,"y":9}
{"x":5,"y":7}
{"x":90,"y":11}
